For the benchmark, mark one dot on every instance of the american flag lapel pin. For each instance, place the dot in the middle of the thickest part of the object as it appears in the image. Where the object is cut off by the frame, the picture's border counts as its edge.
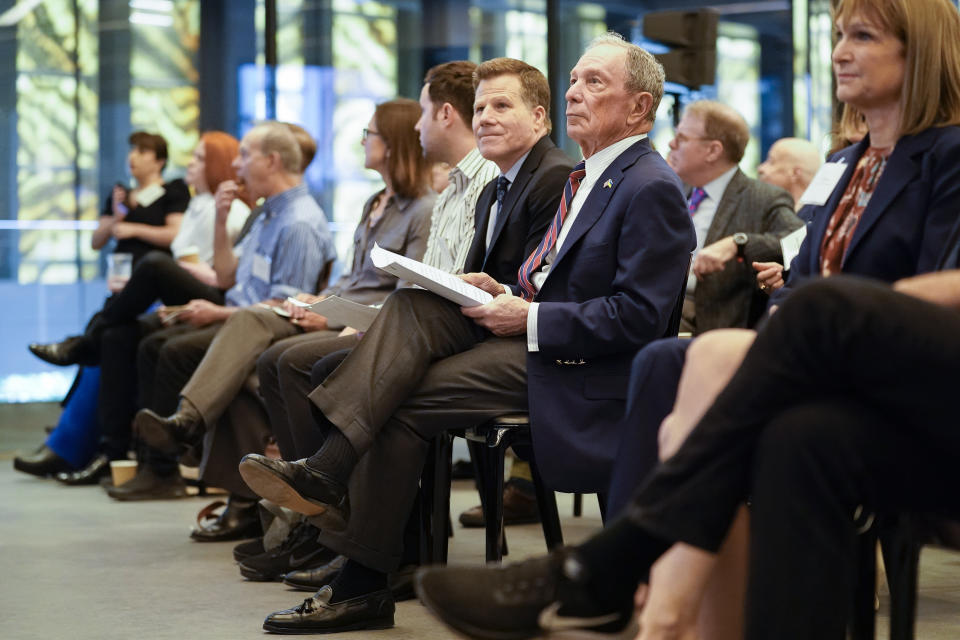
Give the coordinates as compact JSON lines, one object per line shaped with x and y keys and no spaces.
{"x":608,"y":184}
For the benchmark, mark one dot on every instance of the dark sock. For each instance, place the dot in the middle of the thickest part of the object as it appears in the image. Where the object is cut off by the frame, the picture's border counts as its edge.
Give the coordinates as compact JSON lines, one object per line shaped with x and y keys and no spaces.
{"x":618,"y":559}
{"x":336,"y":457}
{"x":356,"y":580}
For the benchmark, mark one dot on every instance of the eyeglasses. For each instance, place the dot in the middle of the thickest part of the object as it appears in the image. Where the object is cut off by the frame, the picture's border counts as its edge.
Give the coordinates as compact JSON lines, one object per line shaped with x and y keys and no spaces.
{"x":369,"y":132}
{"x":681,"y":138}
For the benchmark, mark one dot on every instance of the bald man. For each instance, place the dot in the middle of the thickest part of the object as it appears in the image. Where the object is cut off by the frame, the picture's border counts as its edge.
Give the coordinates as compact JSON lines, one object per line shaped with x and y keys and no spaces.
{"x":791,"y":164}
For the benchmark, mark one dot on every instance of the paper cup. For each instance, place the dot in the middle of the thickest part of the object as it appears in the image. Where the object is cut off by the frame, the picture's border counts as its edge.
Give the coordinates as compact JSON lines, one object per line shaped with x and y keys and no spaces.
{"x":122,"y":471}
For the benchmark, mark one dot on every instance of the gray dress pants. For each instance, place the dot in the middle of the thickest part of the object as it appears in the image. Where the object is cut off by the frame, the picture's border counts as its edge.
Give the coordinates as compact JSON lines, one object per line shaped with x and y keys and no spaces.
{"x":422,"y":368}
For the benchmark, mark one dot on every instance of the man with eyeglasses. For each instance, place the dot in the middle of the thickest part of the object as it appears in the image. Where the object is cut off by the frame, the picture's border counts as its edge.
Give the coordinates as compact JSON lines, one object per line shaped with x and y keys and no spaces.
{"x":738,"y":220}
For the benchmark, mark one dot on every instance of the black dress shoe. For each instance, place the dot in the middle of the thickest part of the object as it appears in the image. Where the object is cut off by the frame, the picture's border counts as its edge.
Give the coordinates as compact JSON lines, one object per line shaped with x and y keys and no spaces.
{"x":233,"y":523}
{"x":97,"y":468}
{"x":248,"y":549}
{"x":523,"y":600}
{"x":172,"y":435}
{"x":300,"y":550}
{"x":400,"y":582}
{"x":317,"y":615}
{"x":73,"y":350}
{"x":298,"y":487}
{"x":43,"y":462}
{"x":316,"y":578}
{"x":147,"y":485}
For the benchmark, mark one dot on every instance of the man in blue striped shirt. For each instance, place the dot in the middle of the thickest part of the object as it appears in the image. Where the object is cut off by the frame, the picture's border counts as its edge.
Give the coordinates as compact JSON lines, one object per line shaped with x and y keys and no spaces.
{"x":284,"y":254}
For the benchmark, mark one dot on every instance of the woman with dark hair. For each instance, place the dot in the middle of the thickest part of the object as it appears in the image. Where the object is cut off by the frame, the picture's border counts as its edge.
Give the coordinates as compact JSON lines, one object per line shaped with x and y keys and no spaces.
{"x":148,"y":216}
{"x":156,"y":275}
{"x":397,"y":218}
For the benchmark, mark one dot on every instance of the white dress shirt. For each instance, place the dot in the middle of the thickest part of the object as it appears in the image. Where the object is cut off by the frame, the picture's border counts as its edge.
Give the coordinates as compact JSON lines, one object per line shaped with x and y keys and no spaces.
{"x":704,"y":215}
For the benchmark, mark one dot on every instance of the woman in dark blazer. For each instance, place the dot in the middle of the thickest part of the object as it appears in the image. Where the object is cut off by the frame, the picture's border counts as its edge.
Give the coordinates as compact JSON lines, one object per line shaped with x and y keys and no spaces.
{"x":887,"y":217}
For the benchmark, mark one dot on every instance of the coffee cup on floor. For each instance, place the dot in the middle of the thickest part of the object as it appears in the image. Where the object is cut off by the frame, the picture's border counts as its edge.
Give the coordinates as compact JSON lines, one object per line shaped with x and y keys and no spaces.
{"x":122,"y":471}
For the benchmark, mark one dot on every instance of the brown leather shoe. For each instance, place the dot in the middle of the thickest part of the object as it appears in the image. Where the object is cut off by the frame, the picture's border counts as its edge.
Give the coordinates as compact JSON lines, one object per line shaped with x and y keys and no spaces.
{"x":519,"y":507}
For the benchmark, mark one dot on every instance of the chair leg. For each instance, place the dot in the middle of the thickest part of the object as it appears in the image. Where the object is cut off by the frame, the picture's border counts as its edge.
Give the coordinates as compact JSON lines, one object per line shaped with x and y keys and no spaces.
{"x":441,"y":500}
{"x":428,"y":483}
{"x":863,"y":619}
{"x":602,"y":503}
{"x":577,"y":505}
{"x":493,"y":503}
{"x":901,"y":555}
{"x":547,"y":505}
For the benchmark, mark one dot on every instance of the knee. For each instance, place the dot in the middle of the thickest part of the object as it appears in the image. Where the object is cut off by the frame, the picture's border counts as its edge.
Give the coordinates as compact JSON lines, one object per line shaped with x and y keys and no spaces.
{"x":719,"y":350}
{"x":154,"y":262}
{"x":268,"y":364}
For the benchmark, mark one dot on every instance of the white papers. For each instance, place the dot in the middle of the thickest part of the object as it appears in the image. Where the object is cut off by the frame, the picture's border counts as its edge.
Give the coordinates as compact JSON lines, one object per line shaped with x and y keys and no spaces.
{"x":280,"y":311}
{"x":440,"y":282}
{"x":341,"y":312}
{"x":823,"y":184}
{"x":790,"y":245}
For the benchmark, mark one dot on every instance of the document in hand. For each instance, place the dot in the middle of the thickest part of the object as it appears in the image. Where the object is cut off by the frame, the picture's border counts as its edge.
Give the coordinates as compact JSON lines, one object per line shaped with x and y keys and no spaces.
{"x":440,"y":282}
{"x":342,"y":313}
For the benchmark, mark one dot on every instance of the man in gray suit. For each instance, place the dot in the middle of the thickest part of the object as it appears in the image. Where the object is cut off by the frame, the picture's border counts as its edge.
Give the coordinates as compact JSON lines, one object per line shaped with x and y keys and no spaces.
{"x":738,"y":220}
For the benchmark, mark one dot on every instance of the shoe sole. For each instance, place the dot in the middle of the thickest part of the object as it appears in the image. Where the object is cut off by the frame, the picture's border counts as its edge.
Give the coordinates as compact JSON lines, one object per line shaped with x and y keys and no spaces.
{"x":268,"y":484}
{"x":371,"y":625}
{"x":474,"y":524}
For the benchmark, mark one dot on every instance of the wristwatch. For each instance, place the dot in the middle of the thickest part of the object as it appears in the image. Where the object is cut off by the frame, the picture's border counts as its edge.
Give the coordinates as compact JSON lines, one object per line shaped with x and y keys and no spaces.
{"x":740,"y":239}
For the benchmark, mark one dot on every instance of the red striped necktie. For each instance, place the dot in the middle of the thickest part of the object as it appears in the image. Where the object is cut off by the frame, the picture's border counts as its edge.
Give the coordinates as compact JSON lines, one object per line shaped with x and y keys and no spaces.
{"x":533,"y":263}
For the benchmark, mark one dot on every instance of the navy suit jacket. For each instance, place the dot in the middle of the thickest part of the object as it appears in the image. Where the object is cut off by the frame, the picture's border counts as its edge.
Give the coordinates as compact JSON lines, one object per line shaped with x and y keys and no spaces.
{"x":909,"y":217}
{"x":527,"y":210}
{"x":611,"y":290}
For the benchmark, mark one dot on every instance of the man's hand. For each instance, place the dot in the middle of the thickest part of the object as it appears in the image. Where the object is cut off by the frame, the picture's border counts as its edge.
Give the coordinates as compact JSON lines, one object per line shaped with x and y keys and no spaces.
{"x":124,"y":230}
{"x":310,"y":321}
{"x":503,"y":316}
{"x":713,"y":257}
{"x":226,"y":194}
{"x":200,"y":313}
{"x":483,"y":281}
{"x":769,"y":276}
{"x":297,"y":312}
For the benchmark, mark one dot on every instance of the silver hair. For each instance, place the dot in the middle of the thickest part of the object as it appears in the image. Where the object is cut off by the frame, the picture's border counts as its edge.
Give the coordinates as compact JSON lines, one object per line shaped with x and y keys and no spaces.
{"x":277,"y":137}
{"x":644,"y":73}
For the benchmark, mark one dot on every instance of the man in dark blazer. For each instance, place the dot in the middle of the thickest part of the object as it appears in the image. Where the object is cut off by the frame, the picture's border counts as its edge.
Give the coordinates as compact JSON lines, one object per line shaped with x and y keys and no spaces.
{"x":738,"y":220}
{"x":603,"y":282}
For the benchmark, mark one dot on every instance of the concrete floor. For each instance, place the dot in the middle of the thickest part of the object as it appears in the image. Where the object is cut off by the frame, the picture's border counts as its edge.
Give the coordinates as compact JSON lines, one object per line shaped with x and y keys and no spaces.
{"x":74,"y":563}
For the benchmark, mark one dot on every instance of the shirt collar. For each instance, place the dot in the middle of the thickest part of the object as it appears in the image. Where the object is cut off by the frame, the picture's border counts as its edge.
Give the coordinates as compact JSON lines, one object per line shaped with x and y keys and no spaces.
{"x":716,"y":187}
{"x":513,"y":171}
{"x":595,"y":165}
{"x":278,"y":202}
{"x":470,"y":164}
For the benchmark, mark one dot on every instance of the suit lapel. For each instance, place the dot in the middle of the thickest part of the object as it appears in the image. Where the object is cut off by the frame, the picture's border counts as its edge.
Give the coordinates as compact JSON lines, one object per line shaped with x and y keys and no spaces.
{"x":726,"y":208}
{"x":530,"y":166}
{"x":901,"y":169}
{"x":599,"y":197}
{"x":476,"y":256}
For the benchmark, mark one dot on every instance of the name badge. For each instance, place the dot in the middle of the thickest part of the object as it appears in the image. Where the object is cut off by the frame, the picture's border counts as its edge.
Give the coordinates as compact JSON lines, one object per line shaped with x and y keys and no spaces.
{"x":148,"y":195}
{"x":823,"y":184}
{"x":261,"y":267}
{"x":790,"y":245}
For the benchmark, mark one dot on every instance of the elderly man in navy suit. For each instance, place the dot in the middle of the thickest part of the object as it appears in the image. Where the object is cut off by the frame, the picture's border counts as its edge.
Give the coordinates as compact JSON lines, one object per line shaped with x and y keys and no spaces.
{"x":603,"y":282}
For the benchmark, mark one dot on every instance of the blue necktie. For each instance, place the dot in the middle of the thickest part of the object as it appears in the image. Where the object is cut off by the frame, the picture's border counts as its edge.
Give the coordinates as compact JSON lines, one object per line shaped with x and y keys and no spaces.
{"x":696,"y":197}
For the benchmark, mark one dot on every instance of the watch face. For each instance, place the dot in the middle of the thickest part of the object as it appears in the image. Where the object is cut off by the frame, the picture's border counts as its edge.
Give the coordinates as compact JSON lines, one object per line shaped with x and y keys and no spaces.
{"x":740,"y":238}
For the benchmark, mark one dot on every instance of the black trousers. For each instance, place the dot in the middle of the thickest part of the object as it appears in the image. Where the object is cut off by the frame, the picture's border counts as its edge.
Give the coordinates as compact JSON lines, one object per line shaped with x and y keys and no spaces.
{"x":115,"y":332}
{"x":844,"y":401}
{"x":284,"y":371}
